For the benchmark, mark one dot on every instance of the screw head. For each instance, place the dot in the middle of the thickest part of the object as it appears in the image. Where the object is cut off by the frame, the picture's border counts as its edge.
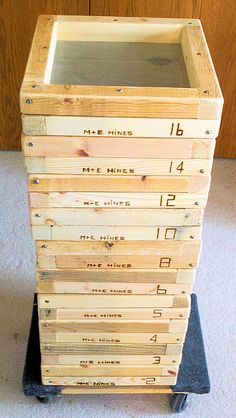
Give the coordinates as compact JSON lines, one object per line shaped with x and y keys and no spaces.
{"x":37,"y":215}
{"x":44,"y":273}
{"x":36,"y":181}
{"x":46,"y":325}
{"x":44,"y":246}
{"x":30,"y":144}
{"x":34,"y":86}
{"x":181,"y":315}
{"x":208,"y":132}
{"x":196,"y":203}
{"x":29,"y":101}
{"x":190,"y":264}
{"x":192,"y":236}
{"x":183,"y":292}
{"x":120,"y":90}
{"x":202,"y":171}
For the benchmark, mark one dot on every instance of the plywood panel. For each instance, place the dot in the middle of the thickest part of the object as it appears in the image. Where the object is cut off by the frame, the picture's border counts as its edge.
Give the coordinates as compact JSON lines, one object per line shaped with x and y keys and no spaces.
{"x":220,"y":33}
{"x":18,"y":20}
{"x":150,"y":8}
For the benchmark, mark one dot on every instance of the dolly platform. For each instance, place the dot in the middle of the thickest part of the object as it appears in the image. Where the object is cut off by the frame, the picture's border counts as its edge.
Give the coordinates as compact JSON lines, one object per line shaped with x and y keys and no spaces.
{"x":193,"y":375}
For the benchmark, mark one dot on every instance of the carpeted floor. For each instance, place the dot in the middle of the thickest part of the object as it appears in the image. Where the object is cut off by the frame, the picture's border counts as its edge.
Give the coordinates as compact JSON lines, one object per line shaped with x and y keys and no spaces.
{"x":215,"y":286}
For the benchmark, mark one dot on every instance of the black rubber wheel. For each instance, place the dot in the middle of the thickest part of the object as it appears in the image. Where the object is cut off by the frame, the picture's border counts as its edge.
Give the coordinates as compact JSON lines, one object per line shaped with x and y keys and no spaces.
{"x":45,"y":399}
{"x":178,"y":402}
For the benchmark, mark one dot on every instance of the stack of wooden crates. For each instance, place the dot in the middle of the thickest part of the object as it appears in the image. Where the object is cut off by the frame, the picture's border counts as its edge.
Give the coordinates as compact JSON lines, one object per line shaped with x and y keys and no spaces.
{"x":120,"y":117}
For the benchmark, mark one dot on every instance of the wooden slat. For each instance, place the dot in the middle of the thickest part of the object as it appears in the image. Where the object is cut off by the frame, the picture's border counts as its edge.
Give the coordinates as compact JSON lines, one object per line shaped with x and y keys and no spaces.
{"x":112,"y":338}
{"x":117,"y":166}
{"x":109,"y":381}
{"x":136,"y":127}
{"x":117,"y":248}
{"x":132,"y":327}
{"x":73,"y":390}
{"x":66,"y":286}
{"x":75,"y":301}
{"x":115,"y":233}
{"x":76,"y":183}
{"x":123,"y":350}
{"x":92,"y":361}
{"x":67,"y":370}
{"x":105,"y":314}
{"x":118,"y":200}
{"x":80,"y":147}
{"x":119,"y":261}
{"x":169,"y":276}
{"x":107,"y":217}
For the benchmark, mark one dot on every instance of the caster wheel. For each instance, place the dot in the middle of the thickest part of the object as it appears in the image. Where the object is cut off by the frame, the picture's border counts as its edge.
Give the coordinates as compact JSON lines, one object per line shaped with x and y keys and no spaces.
{"x":45,"y":399}
{"x":178,"y":402}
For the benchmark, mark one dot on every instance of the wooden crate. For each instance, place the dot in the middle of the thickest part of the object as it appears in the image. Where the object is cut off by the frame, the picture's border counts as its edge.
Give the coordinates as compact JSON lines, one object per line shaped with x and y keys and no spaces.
{"x":119,"y":167}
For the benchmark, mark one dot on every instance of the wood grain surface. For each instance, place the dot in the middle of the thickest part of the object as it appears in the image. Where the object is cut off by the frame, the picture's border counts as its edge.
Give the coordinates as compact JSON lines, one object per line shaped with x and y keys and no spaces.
{"x":17,"y":26}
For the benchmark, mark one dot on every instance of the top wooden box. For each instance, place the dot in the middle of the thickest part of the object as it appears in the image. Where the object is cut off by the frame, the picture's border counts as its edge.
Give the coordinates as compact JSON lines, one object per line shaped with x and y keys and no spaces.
{"x":131,"y":67}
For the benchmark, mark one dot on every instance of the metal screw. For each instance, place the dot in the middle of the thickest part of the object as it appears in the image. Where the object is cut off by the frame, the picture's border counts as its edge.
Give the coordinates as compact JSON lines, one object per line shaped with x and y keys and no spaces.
{"x":208,"y":132}
{"x":37,"y":215}
{"x":29,"y":101}
{"x":30,"y":144}
{"x":183,"y":292}
{"x":199,"y":53}
{"x":46,"y":301}
{"x":186,"y":216}
{"x":44,"y":246}
{"x":36,"y":181}
{"x":181,"y":315}
{"x":34,"y":86}
{"x":192,"y":236}
{"x":206,"y":91}
{"x":46,"y":325}
{"x":48,"y":312}
{"x":173,"y":361}
{"x":44,"y":273}
{"x":191,"y":265}
{"x":47,"y":348}
{"x":196,"y":203}
{"x":120,"y":90}
{"x":202,"y":171}
{"x":178,"y":339}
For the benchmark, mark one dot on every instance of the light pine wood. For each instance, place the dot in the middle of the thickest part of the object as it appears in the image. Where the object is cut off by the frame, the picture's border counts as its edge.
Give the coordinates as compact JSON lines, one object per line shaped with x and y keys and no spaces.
{"x":67,"y":370}
{"x":72,"y":390}
{"x":104,"y":314}
{"x":57,"y":248}
{"x":112,"y":288}
{"x":115,"y":326}
{"x":112,"y":338}
{"x":97,"y":147}
{"x":118,"y":261}
{"x":119,"y":254}
{"x":92,"y":361}
{"x":123,"y":350}
{"x":75,"y":301}
{"x":109,"y":381}
{"x":170,"y":276}
{"x":136,"y":127}
{"x":114,"y":233}
{"x":106,"y":217}
{"x":76,"y":183}
{"x":118,"y":200}
{"x":117,"y":166}
{"x":155,"y":103}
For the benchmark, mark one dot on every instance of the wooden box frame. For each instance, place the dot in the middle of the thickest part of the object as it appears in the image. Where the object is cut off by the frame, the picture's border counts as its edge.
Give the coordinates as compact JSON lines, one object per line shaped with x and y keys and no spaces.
{"x":203,"y":100}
